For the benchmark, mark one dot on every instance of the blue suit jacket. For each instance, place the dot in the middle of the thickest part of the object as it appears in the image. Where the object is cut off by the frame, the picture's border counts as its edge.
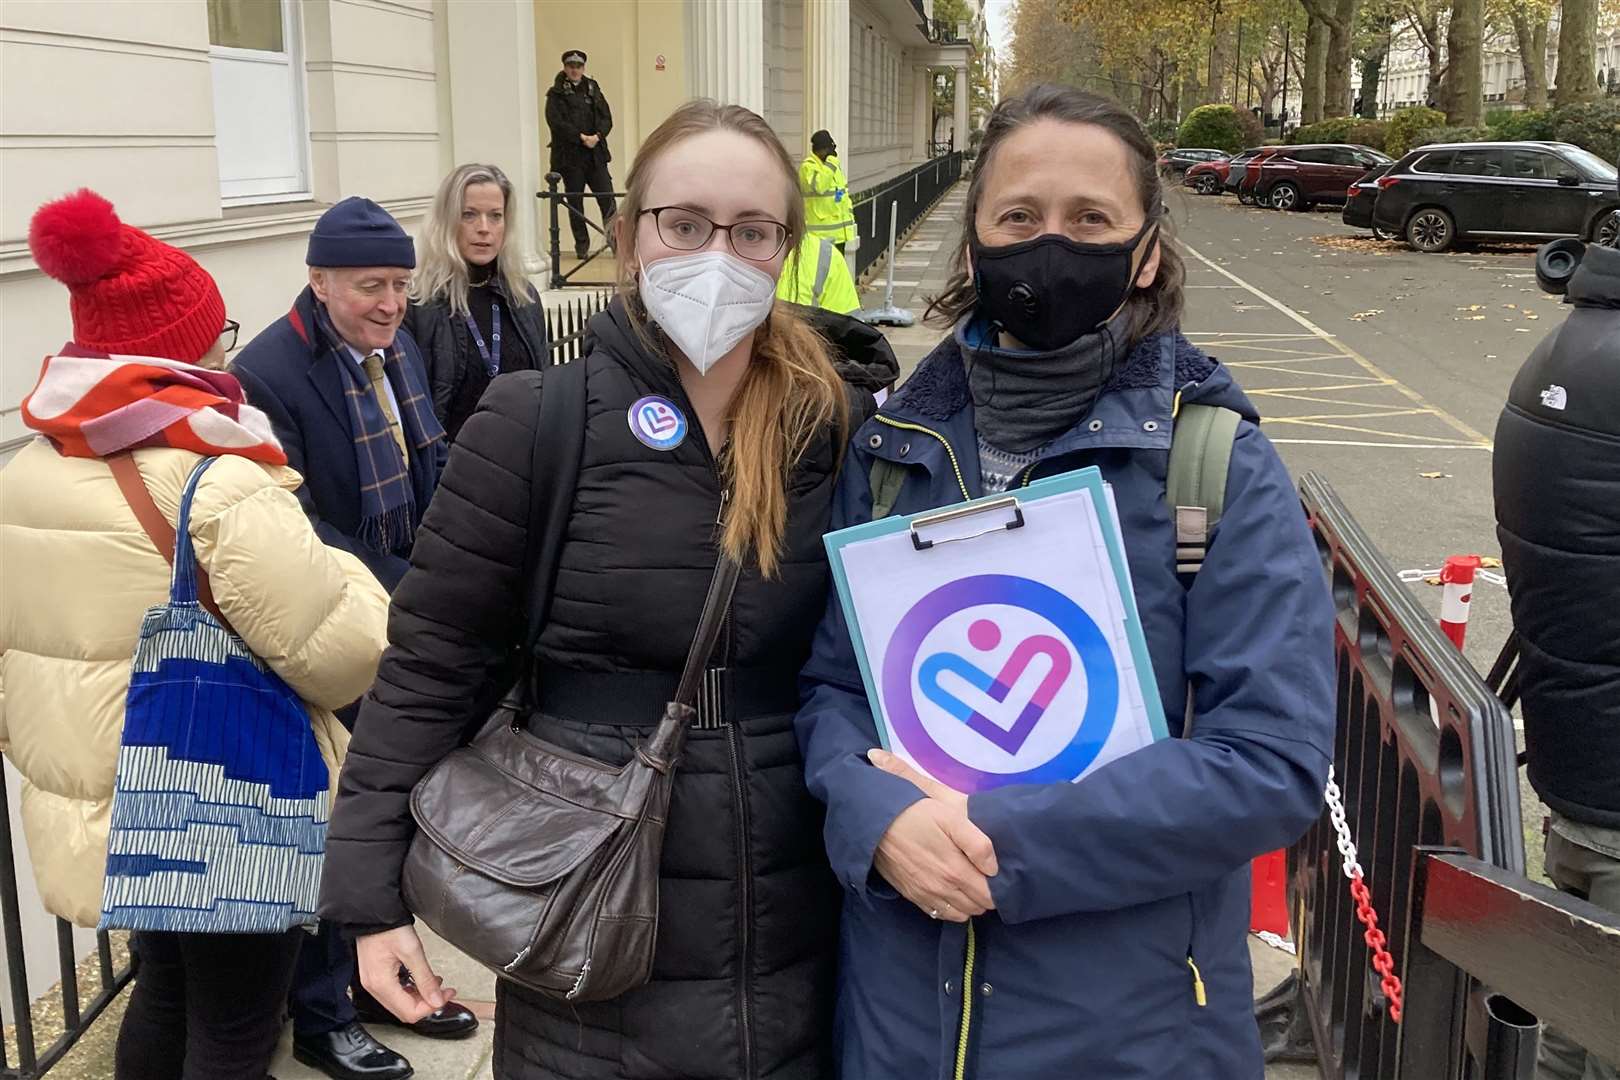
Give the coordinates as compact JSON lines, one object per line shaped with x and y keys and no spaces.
{"x":286,"y":372}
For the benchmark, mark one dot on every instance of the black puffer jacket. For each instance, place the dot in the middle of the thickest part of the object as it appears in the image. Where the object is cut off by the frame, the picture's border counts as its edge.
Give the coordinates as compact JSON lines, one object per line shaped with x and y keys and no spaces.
{"x":742,"y":983}
{"x":1557,"y":479}
{"x":452,"y":357}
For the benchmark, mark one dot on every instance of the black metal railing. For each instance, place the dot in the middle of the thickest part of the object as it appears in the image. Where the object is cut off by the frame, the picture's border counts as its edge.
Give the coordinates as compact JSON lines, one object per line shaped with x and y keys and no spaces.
{"x":556,"y":204}
{"x":945,"y":32}
{"x":565,"y":325}
{"x":77,"y":1013}
{"x":906,"y":198}
{"x":1424,"y":755}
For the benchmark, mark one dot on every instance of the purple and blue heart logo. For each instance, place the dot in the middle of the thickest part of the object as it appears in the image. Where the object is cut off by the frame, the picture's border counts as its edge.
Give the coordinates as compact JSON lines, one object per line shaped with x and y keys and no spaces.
{"x":658,"y":423}
{"x":1036,"y":742}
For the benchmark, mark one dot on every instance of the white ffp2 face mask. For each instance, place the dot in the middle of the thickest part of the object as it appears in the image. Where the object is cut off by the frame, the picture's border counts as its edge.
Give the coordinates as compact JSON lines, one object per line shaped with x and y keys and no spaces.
{"x":706,"y":302}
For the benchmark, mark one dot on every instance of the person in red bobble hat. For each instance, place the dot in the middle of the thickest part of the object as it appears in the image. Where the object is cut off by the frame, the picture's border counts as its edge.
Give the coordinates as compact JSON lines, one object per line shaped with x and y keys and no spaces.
{"x":127,"y":413}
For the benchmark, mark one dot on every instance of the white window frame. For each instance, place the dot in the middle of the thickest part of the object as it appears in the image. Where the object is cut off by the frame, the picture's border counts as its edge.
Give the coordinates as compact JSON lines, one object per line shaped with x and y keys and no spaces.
{"x":302,"y":189}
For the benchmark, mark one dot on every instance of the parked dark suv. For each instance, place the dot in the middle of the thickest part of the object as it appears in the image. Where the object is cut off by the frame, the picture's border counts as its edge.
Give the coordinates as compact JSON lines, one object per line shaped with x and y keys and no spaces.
{"x":1298,"y":177}
{"x":1437,"y":195}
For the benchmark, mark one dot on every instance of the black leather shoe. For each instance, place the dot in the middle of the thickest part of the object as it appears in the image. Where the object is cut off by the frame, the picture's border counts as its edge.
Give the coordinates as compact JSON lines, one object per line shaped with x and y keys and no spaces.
{"x":350,"y":1053}
{"x":581,"y":252}
{"x":451,"y":1022}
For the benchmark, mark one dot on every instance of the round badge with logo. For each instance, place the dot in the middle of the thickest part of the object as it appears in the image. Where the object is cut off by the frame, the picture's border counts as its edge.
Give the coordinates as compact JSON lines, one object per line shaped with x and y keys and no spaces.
{"x":658,"y":423}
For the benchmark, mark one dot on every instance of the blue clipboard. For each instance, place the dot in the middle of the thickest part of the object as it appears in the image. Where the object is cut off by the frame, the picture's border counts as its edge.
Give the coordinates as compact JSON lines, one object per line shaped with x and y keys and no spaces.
{"x":940,"y":685}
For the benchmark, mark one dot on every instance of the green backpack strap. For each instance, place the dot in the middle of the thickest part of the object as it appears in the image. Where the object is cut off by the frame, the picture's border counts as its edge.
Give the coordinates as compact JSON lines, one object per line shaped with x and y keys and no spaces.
{"x":1200,"y":451}
{"x":886,"y":478}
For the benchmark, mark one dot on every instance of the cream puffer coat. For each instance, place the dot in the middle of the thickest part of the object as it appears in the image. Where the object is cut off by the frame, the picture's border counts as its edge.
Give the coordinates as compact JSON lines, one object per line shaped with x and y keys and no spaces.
{"x":77,"y":573}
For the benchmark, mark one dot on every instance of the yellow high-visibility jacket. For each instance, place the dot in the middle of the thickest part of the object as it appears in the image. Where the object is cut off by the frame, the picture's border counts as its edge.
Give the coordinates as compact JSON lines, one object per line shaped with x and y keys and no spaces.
{"x":828,"y":207}
{"x":816,"y":275}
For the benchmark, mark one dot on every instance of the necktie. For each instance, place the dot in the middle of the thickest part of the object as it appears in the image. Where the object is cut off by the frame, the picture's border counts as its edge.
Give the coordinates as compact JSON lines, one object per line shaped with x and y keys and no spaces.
{"x":374,"y":371}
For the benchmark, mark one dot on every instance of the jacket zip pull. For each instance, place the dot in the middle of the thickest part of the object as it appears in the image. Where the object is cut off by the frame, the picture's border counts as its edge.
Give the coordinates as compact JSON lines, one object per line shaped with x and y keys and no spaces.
{"x":725,"y":500}
{"x":1198,"y":984}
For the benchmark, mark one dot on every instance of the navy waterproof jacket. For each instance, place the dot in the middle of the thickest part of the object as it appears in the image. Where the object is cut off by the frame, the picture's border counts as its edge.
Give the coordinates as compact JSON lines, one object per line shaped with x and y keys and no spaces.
{"x":1117,"y":947}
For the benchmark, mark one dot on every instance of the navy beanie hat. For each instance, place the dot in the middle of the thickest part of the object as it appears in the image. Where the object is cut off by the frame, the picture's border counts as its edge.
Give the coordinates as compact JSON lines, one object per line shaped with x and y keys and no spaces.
{"x":358,"y":232}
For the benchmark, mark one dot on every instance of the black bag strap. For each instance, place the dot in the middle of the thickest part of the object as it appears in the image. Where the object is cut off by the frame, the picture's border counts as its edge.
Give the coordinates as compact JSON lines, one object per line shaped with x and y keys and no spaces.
{"x":559,"y":447}
{"x":715,"y":607}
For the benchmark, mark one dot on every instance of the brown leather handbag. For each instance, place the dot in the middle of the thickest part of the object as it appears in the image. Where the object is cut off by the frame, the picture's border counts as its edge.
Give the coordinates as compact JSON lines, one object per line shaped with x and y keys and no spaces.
{"x":543,"y":864}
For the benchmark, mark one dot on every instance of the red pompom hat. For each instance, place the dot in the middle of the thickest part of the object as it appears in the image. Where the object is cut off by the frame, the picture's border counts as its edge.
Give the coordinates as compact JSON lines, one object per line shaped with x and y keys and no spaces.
{"x":131,"y":293}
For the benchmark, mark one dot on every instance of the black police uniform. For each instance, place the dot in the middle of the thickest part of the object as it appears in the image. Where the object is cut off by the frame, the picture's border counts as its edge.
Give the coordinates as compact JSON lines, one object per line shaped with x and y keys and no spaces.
{"x":572,"y":110}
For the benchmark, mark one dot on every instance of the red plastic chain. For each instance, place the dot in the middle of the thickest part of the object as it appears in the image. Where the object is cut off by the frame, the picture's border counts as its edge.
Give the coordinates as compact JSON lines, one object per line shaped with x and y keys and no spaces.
{"x":1382,"y":962}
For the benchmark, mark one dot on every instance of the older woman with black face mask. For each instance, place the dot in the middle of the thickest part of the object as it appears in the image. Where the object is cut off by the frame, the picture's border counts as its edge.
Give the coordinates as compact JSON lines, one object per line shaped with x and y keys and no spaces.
{"x":1096,"y":928}
{"x":472,"y":312}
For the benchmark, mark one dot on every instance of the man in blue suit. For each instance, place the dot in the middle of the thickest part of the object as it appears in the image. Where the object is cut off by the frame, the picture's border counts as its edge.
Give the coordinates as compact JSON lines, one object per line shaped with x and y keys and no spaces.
{"x":346,"y":389}
{"x":346,"y":392}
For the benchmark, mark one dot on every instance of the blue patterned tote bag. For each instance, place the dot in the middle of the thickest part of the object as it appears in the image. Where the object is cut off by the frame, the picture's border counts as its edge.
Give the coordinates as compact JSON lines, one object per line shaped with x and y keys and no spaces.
{"x":220,"y":803}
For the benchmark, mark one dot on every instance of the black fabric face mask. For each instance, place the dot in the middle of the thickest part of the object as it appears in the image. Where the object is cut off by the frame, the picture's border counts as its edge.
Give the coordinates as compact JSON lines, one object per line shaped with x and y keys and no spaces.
{"x":1051,"y":291}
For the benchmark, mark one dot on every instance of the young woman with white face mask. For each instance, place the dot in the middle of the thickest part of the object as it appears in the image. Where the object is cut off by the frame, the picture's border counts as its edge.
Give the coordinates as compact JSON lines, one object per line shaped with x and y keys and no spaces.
{"x":714,"y":421}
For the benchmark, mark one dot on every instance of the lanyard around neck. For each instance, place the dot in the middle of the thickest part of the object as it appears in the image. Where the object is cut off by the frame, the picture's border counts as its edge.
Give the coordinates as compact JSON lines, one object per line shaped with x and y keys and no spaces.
{"x":490,"y":353}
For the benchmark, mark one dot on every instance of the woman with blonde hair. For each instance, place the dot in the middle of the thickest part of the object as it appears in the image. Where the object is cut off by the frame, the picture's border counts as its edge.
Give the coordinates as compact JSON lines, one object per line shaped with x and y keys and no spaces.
{"x":472,"y":312}
{"x":713,"y":422}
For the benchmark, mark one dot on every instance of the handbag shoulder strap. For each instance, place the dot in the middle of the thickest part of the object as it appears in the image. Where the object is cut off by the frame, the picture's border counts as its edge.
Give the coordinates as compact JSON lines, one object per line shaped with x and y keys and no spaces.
{"x":154,"y":524}
{"x":715,"y":608}
{"x":559,"y":446}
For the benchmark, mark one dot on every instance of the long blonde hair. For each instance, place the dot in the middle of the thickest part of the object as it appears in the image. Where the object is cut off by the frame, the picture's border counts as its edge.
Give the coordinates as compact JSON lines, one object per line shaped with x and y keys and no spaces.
{"x":791,"y":392}
{"x":442,"y":272}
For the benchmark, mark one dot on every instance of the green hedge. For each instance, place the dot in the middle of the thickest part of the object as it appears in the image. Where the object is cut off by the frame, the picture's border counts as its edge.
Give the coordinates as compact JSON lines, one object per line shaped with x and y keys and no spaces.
{"x":1403,"y":128}
{"x":1342,"y":129}
{"x":1529,"y":125}
{"x":1214,"y":126}
{"x":1453,"y":135}
{"x":1335,"y":129}
{"x":1594,"y":125}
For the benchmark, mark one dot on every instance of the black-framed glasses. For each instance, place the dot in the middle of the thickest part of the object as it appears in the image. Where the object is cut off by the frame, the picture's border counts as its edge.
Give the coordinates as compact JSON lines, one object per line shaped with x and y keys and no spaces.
{"x":228,"y":334}
{"x":687,"y":230}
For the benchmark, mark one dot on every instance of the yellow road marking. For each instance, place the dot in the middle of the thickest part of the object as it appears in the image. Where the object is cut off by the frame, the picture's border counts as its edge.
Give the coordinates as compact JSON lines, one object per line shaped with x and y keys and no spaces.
{"x":1365,"y":364}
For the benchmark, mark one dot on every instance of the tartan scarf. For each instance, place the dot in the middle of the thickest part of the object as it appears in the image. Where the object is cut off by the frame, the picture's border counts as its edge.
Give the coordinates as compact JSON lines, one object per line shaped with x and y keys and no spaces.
{"x":91,"y":404}
{"x":388,"y":510}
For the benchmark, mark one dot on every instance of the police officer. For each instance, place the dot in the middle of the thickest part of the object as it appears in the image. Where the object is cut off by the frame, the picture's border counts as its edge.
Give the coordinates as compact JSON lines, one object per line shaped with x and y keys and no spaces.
{"x":827,"y":206}
{"x":579,"y":118}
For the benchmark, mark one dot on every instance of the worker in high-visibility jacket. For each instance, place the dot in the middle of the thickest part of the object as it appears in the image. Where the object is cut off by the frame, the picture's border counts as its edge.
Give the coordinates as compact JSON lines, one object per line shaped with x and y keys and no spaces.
{"x":816,"y":275}
{"x":828,"y":209}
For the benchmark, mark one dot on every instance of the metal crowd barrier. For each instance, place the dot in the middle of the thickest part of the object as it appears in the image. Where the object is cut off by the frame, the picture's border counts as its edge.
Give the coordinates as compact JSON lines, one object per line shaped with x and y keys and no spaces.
{"x":906,"y":198}
{"x":1425,"y":755}
{"x":77,"y":1013}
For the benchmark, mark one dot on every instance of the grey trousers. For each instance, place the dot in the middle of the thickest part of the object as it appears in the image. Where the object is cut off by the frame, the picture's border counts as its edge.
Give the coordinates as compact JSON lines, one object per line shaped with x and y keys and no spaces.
{"x":1588,"y":868}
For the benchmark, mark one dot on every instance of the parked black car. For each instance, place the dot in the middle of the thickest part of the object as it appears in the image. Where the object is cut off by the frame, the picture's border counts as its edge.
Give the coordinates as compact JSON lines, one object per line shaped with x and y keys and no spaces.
{"x":1359,"y":200}
{"x":1438,"y":195}
{"x":1173,"y":163}
{"x":1298,"y":177}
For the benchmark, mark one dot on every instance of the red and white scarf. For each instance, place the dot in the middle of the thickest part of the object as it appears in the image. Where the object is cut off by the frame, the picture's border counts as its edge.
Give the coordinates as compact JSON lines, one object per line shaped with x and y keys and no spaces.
{"x":94,"y":405}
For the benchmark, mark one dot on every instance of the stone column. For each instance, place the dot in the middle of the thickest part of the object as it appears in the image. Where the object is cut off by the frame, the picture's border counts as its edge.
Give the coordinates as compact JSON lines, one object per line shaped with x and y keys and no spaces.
{"x":961,"y":118}
{"x":922,"y":118}
{"x":726,"y":45}
{"x":826,"y":74}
